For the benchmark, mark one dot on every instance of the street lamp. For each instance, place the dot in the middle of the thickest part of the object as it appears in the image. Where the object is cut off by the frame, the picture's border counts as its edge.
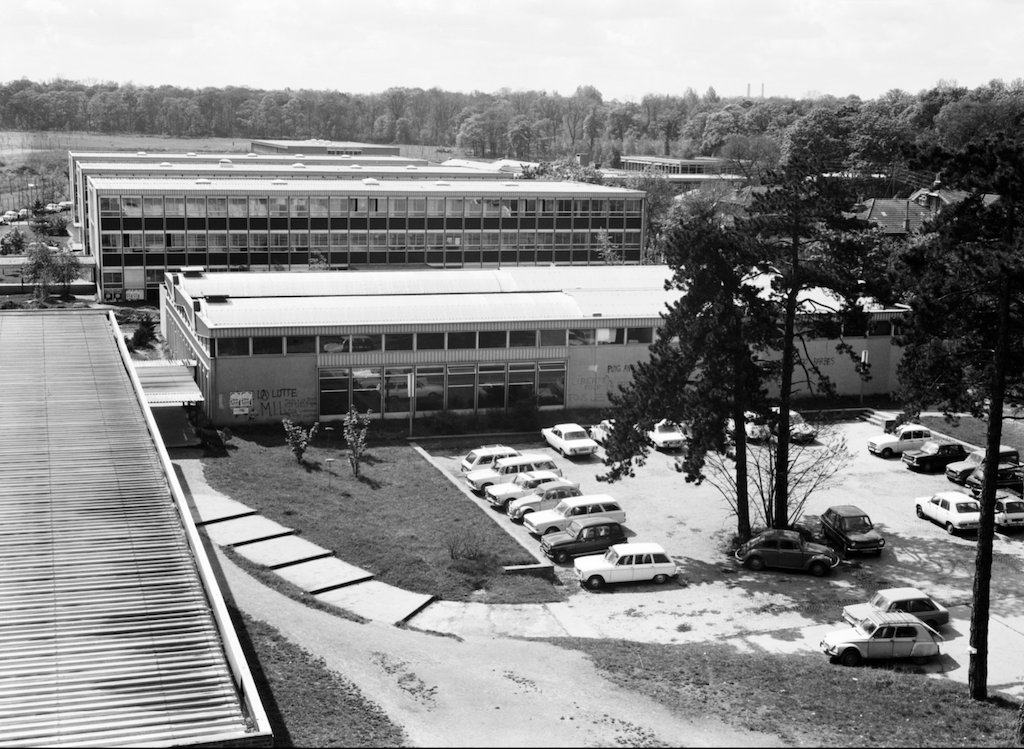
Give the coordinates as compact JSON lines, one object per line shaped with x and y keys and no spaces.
{"x":329,"y":461}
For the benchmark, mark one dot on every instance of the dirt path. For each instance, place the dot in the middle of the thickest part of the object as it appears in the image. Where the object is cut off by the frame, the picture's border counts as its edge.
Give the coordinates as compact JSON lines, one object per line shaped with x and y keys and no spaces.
{"x":481,"y":691}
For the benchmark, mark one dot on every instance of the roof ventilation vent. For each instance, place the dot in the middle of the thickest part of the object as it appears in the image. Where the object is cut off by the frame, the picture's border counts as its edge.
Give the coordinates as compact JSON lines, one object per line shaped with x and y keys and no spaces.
{"x":440,"y":183}
{"x":191,"y":153}
{"x":300,"y":155}
{"x":252,"y":155}
{"x":411,"y":167}
{"x":371,"y":181}
{"x":346,"y":156}
{"x":226,"y":164}
{"x":140,"y":153}
{"x":203,"y":181}
{"x":299,"y":166}
{"x":165,"y":164}
{"x":357,"y":166}
{"x":279,"y":182}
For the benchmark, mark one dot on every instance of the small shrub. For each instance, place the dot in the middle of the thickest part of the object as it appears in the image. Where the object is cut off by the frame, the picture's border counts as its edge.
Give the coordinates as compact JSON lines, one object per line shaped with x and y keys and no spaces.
{"x":298,"y":438}
{"x":145,"y":333}
{"x":464,"y":544}
{"x":355,"y":430}
{"x":445,"y":422}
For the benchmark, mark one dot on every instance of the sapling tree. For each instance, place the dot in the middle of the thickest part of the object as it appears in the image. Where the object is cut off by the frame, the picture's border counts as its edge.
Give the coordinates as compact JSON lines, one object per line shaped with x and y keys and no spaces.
{"x":356,"y":428}
{"x":298,"y":438}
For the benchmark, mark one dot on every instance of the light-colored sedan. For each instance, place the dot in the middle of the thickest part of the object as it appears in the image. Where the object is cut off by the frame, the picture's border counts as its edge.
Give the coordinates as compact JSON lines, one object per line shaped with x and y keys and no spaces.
{"x":954,"y":511}
{"x":667,"y":435}
{"x":599,"y":432}
{"x":1009,"y":512}
{"x":502,"y":495}
{"x":908,"y":600}
{"x":625,"y":563}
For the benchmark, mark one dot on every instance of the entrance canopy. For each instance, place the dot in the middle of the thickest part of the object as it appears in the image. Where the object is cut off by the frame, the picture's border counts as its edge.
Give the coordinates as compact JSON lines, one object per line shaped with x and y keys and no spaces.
{"x":168,"y":383}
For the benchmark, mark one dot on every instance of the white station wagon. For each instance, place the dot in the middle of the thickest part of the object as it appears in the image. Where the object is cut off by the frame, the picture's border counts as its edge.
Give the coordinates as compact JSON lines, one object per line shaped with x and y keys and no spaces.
{"x":557,"y":518}
{"x":625,"y":563}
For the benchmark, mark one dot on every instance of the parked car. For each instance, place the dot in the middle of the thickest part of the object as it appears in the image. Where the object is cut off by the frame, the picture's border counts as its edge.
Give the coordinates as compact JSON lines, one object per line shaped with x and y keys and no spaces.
{"x":545,"y":497}
{"x":934,"y":456}
{"x":959,"y":471}
{"x":954,"y":511}
{"x":485,"y":456}
{"x":555,"y":519}
{"x":570,"y":440}
{"x":755,"y":426}
{"x":883,"y":635}
{"x":786,"y":550}
{"x":625,"y":563}
{"x":502,"y":495}
{"x":591,"y":534}
{"x":65,"y":205}
{"x":599,"y":432}
{"x":10,"y":216}
{"x":850,"y":529}
{"x":903,"y":438}
{"x":908,"y":600}
{"x":1009,"y":512}
{"x":52,"y":208}
{"x":1008,"y":476}
{"x":800,"y":431}
{"x":504,"y":469}
{"x":667,"y":435}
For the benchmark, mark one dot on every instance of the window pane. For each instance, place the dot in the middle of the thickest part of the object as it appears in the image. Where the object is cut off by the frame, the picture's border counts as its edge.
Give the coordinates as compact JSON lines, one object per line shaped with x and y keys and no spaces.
{"x":493,"y":338}
{"x":266,"y":345}
{"x":398,"y":341}
{"x":174,"y":206}
{"x":429,"y":341}
{"x":639,"y":335}
{"x":551,"y":391}
{"x":366,"y":390}
{"x":257,"y":207}
{"x":526,"y":338}
{"x":552,"y":337}
{"x":195,"y":206}
{"x":429,"y":388}
{"x":462,"y":340}
{"x":232,"y":347}
{"x":301,"y":344}
{"x":582,"y":337}
{"x":217,"y":206}
{"x":610,"y":336}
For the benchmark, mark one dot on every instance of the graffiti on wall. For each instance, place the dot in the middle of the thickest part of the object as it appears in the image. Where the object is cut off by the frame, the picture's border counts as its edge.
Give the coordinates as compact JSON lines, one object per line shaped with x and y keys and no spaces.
{"x":269,"y":403}
{"x":601,"y":379}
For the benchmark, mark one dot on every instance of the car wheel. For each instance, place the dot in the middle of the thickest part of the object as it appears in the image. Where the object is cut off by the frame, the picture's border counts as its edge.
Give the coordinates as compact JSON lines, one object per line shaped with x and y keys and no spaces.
{"x":755,"y":563}
{"x":818,"y":569}
{"x":595,"y":582}
{"x":561,"y":557}
{"x":660,"y":579}
{"x":508,"y":503}
{"x":887,"y":453}
{"x":850,"y":657}
{"x":550,"y":530}
{"x":950,"y":529}
{"x":920,"y":660}
{"x":920,"y":512}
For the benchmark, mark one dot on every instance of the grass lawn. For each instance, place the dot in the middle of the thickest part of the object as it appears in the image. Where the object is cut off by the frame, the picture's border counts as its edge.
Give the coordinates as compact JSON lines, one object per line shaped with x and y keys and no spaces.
{"x":804,"y":698}
{"x":401,"y":520}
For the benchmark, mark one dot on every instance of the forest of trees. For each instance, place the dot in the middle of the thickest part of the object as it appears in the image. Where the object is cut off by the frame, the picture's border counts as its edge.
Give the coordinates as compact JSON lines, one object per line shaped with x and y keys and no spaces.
{"x":535,"y":125}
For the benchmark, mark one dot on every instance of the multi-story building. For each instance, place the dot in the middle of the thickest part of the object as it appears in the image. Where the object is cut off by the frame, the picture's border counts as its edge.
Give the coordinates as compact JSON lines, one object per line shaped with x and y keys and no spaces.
{"x":146,"y":227}
{"x":327,"y":147}
{"x":225,"y":168}
{"x":77,"y":160}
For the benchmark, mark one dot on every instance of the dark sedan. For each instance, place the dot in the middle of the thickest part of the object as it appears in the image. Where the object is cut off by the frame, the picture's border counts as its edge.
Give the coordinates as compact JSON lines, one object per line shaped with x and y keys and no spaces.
{"x":934,"y":456}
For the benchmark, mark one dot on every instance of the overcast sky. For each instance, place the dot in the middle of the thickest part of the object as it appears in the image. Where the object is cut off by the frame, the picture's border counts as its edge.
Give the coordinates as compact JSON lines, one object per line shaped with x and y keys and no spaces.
{"x":625,"y":48}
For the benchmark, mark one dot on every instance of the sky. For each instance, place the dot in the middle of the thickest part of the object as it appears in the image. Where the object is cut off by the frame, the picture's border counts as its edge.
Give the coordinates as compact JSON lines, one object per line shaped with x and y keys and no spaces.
{"x":624,"y":48}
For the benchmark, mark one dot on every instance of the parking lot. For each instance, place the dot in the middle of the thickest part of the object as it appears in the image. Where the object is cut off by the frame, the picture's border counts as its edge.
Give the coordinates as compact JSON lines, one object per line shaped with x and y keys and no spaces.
{"x":714,"y":598}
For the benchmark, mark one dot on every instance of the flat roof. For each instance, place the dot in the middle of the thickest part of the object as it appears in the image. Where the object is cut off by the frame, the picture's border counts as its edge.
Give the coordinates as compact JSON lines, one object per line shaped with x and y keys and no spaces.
{"x":253,"y":301}
{"x":247,"y":168}
{"x":321,"y":143}
{"x":348,"y":187}
{"x":167,"y":383}
{"x":114,"y":630}
{"x":248,"y":157}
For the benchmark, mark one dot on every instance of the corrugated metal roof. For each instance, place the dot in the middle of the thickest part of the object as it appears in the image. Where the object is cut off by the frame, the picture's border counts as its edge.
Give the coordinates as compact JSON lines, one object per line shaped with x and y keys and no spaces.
{"x":624,"y":303}
{"x":405,"y":310}
{"x":107,"y":632}
{"x":354,"y":187}
{"x":169,"y":384}
{"x":240,"y":168}
{"x":198,"y":158}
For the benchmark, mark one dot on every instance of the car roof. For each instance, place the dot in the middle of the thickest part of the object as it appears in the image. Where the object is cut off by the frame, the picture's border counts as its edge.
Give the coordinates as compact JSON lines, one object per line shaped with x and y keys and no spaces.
{"x":586,"y":499}
{"x":903,"y":593}
{"x":588,"y":520}
{"x":951,"y":496}
{"x":847,"y":510}
{"x":642,"y":547}
{"x":538,"y":475}
{"x":892,"y":617}
{"x":778,"y":533}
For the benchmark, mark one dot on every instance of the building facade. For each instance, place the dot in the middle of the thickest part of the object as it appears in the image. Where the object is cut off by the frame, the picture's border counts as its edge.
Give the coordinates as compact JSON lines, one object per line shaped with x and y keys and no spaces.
{"x":149,"y":226}
{"x":307,"y":346}
{"x":130,"y":159}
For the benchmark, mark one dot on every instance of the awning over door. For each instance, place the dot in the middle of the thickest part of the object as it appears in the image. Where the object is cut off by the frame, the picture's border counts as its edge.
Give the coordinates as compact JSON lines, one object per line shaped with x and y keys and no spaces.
{"x":168,"y":383}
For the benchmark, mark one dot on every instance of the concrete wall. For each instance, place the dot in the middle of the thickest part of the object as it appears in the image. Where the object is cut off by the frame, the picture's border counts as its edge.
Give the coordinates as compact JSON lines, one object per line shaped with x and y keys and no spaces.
{"x":594,"y":371}
{"x":279,"y":387}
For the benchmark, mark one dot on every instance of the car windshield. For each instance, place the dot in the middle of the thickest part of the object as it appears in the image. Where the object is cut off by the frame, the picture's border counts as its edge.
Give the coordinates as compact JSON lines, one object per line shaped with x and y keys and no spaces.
{"x":575,"y":435}
{"x":795,"y":418}
{"x":562,"y":507}
{"x":523,"y":480}
{"x":1015,"y":506}
{"x":611,"y":556}
{"x":860,"y":524}
{"x":665,"y":429}
{"x":879,"y":601}
{"x":472,"y":457}
{"x":968,"y":507}
{"x":930,"y":448}
{"x":573,"y":528}
{"x":867,"y":626}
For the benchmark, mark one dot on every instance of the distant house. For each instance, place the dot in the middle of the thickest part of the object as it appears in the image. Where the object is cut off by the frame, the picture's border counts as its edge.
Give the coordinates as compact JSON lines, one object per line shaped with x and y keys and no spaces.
{"x":894,"y":216}
{"x":937,"y":197}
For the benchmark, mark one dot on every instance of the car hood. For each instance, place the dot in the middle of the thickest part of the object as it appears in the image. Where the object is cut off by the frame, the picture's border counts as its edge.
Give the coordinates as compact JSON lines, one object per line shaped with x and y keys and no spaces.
{"x":591,"y":564}
{"x":820,"y":549}
{"x":544,"y":516}
{"x":868,"y":537}
{"x":856,"y":612}
{"x":559,"y":538}
{"x":961,"y":465}
{"x":842,"y":636}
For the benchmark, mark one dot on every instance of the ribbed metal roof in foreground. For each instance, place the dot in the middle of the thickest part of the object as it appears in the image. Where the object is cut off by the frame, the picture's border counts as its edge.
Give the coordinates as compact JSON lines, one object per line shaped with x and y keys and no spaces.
{"x":107,"y":634}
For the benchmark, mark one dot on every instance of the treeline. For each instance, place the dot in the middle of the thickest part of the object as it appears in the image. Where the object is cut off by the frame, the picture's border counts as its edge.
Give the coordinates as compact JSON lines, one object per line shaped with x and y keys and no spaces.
{"x":533,"y":125}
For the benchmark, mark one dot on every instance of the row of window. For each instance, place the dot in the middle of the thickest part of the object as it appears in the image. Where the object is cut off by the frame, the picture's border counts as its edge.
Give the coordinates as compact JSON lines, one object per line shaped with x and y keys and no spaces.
{"x":300,"y":206}
{"x":158,"y":241}
{"x":452,"y":340}
{"x":438,"y":388}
